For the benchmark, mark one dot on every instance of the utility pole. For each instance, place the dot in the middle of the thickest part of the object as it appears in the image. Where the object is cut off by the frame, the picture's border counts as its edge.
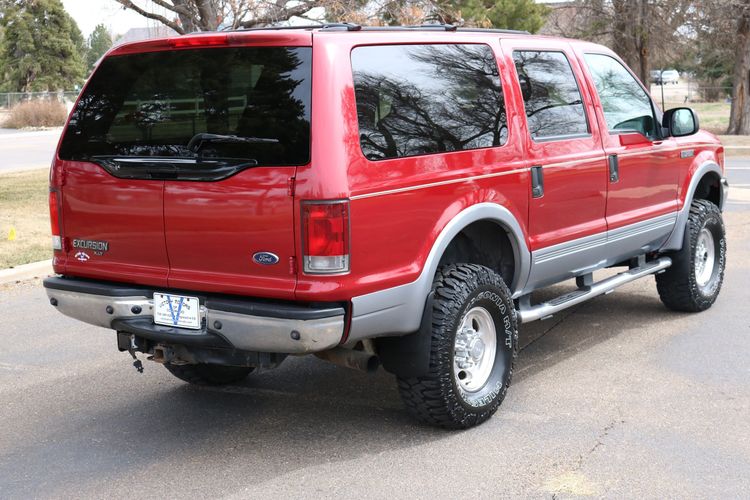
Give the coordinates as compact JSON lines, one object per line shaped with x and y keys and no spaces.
{"x":661,"y":84}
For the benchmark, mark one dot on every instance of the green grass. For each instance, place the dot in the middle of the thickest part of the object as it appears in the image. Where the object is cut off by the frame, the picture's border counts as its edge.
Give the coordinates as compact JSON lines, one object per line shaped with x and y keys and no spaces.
{"x":713,"y":116}
{"x":24,"y":206}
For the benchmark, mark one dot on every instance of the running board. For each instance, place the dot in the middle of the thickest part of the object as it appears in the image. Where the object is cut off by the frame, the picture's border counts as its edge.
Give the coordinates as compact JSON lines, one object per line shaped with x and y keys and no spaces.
{"x":527,"y":312}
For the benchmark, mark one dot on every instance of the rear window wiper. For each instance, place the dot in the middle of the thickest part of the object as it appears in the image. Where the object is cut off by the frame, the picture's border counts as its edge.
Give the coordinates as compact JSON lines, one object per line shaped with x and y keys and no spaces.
{"x":186,"y":169}
{"x":198,"y":139}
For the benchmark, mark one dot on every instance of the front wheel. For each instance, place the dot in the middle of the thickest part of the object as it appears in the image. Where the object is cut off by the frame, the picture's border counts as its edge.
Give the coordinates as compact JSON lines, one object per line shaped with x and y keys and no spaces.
{"x":474,"y":339}
{"x":694,"y":279}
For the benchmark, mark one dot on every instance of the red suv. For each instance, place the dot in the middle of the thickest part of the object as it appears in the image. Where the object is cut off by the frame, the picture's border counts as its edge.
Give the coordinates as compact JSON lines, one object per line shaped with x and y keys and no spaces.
{"x":372,"y":195}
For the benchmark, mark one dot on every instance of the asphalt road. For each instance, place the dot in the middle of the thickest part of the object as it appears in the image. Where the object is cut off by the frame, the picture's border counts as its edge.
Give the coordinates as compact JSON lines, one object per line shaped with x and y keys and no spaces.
{"x":21,"y":150}
{"x":618,"y":398}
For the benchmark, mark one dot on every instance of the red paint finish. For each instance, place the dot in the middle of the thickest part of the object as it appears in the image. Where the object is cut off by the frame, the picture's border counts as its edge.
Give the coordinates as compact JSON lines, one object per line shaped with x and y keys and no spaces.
{"x":125,"y":213}
{"x":207,"y":40}
{"x":648,"y":171}
{"x":575,"y":169}
{"x":398,"y":206}
{"x":214,"y":228}
{"x":202,"y":235}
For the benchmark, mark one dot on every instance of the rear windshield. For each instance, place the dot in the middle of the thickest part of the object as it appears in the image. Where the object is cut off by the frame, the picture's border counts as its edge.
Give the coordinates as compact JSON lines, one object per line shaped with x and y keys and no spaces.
{"x":249,"y":103}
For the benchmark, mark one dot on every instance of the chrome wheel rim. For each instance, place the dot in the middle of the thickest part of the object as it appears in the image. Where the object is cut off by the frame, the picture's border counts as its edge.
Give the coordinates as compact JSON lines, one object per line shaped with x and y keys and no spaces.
{"x":705,"y":256}
{"x":474,"y":350}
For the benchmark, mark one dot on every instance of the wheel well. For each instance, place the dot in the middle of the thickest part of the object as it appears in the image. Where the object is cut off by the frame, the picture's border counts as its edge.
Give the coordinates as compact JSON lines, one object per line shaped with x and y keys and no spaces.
{"x":709,"y":188}
{"x":486,"y":243}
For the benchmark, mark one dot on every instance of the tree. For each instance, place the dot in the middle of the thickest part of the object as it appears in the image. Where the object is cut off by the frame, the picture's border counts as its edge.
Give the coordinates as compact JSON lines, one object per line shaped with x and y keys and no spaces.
{"x":508,"y":14}
{"x":98,"y":43}
{"x":185,"y":16}
{"x":42,"y":47}
{"x":639,"y":31}
{"x":710,"y":58}
{"x":739,"y":117}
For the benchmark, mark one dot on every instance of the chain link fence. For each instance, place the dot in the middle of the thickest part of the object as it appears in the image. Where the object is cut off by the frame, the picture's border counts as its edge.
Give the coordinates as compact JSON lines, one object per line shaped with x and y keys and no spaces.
{"x":10,"y":99}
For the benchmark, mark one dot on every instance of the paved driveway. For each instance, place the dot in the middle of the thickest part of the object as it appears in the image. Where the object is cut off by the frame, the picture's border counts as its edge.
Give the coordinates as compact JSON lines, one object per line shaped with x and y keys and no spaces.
{"x":618,"y":397}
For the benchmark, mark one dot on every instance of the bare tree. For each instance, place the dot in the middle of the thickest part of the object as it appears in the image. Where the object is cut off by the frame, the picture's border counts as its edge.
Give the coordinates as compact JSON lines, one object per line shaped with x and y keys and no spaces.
{"x":638,"y":30}
{"x":739,"y":118}
{"x":186,"y":16}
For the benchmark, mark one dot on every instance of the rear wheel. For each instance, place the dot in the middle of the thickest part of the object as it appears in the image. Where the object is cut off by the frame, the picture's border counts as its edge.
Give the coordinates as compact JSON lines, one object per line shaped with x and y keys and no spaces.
{"x":474,"y":338}
{"x":694,"y":279}
{"x":203,"y":374}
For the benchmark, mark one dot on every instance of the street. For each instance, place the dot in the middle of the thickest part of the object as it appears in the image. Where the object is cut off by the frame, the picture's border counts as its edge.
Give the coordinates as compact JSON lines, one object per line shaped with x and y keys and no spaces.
{"x":618,"y":397}
{"x":22,"y":150}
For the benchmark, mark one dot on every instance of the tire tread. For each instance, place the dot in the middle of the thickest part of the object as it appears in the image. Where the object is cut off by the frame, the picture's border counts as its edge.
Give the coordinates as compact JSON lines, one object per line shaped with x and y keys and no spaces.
{"x":428,"y":398}
{"x":676,"y":286}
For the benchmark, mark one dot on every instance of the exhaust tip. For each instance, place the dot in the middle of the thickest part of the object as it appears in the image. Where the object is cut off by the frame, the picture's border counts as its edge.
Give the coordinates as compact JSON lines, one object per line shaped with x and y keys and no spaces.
{"x":349,"y":358}
{"x":372,"y":365}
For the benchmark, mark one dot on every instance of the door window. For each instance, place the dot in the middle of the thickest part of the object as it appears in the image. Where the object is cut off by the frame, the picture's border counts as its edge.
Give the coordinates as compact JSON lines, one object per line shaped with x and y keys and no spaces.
{"x":550,"y":95}
{"x":626,"y":105}
{"x":425,"y":99}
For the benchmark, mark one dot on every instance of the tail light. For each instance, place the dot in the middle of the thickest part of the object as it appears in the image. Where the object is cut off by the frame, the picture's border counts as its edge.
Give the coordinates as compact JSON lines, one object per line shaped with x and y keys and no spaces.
{"x":325,"y":237}
{"x":54,"y":219}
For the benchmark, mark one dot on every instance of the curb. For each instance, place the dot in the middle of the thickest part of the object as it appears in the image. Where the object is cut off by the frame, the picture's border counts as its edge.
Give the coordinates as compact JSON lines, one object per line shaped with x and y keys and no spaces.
{"x":26,"y":272}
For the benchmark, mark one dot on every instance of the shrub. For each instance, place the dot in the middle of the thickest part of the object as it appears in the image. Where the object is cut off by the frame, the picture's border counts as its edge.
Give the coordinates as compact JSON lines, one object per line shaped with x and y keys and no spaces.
{"x":37,"y":113}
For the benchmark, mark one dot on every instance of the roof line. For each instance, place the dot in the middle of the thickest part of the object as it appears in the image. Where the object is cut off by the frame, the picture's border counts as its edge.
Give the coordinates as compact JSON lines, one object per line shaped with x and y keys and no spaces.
{"x":357,"y":27}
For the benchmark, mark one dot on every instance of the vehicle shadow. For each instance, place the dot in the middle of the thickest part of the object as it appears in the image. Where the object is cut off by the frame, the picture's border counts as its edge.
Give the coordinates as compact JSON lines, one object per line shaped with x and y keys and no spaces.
{"x":303,"y":414}
{"x":546,"y":343}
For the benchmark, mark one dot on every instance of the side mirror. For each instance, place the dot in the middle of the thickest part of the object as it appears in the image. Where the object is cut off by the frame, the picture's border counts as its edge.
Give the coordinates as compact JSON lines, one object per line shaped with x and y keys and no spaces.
{"x":680,"y":122}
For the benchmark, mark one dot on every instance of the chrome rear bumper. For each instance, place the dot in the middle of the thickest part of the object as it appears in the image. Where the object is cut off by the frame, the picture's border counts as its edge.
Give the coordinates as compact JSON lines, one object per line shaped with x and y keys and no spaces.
{"x":228,"y":323}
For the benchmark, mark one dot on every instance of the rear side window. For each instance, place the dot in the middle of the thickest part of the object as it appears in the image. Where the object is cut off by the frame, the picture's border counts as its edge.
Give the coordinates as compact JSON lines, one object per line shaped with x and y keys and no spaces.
{"x":255,"y":99}
{"x":626,"y":105}
{"x":550,"y":95}
{"x":424,"y":99}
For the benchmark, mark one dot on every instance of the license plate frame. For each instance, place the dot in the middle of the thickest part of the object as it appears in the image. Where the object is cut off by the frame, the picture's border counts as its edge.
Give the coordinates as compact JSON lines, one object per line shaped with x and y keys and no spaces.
{"x":177,"y":311}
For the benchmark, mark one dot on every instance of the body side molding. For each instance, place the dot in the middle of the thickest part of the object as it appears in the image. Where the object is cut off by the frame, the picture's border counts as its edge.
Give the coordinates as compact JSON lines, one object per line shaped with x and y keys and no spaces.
{"x":573,"y":258}
{"x":398,"y":310}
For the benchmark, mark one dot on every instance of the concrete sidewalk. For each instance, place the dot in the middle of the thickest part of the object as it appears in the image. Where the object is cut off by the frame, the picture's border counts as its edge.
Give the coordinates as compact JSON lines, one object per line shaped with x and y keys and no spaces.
{"x":40,"y":269}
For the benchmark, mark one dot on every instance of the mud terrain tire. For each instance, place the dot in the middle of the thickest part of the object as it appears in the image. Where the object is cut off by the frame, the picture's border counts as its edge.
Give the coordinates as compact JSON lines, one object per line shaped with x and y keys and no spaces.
{"x":471,"y":305}
{"x":688,"y":284}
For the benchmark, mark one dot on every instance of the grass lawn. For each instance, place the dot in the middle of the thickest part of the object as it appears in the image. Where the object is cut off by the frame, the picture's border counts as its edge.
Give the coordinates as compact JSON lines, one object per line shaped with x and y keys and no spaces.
{"x":713,"y":116}
{"x":24,"y":206}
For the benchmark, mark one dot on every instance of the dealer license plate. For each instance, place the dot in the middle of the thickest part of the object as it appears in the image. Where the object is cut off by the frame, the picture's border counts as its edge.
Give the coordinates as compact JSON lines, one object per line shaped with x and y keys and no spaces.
{"x":177,"y":310}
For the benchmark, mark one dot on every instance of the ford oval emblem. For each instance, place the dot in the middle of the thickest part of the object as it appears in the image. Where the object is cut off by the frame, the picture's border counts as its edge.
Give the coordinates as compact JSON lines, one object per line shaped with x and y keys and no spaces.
{"x":265,"y":258}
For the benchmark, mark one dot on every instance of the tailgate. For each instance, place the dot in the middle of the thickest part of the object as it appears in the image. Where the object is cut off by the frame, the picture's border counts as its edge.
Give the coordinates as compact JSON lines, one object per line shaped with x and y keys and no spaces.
{"x":232,"y":236}
{"x":183,"y":162}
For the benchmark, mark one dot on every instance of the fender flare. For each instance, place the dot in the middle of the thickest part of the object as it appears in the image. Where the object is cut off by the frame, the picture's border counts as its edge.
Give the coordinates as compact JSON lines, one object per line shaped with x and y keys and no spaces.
{"x":674,"y":242}
{"x":399,"y":310}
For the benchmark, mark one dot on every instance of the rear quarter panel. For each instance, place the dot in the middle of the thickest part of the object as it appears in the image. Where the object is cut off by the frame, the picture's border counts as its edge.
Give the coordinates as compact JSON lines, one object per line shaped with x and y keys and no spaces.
{"x":398,"y":206}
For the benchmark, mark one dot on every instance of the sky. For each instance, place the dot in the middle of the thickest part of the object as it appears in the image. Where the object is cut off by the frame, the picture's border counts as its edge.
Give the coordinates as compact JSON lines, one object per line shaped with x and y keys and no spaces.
{"x":89,"y":13}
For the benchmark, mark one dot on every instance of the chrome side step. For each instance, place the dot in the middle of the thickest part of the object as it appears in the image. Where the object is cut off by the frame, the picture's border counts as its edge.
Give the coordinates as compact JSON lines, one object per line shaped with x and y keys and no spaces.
{"x":527,"y":312}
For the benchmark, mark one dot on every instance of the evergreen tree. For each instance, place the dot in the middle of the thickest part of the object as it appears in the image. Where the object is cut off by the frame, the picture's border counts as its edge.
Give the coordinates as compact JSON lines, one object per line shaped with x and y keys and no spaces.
{"x":524,"y":15}
{"x":42,"y":47}
{"x":98,"y":43}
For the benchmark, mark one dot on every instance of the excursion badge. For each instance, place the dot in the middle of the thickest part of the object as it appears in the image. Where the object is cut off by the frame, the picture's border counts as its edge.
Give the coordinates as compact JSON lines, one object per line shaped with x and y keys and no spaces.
{"x":98,"y":247}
